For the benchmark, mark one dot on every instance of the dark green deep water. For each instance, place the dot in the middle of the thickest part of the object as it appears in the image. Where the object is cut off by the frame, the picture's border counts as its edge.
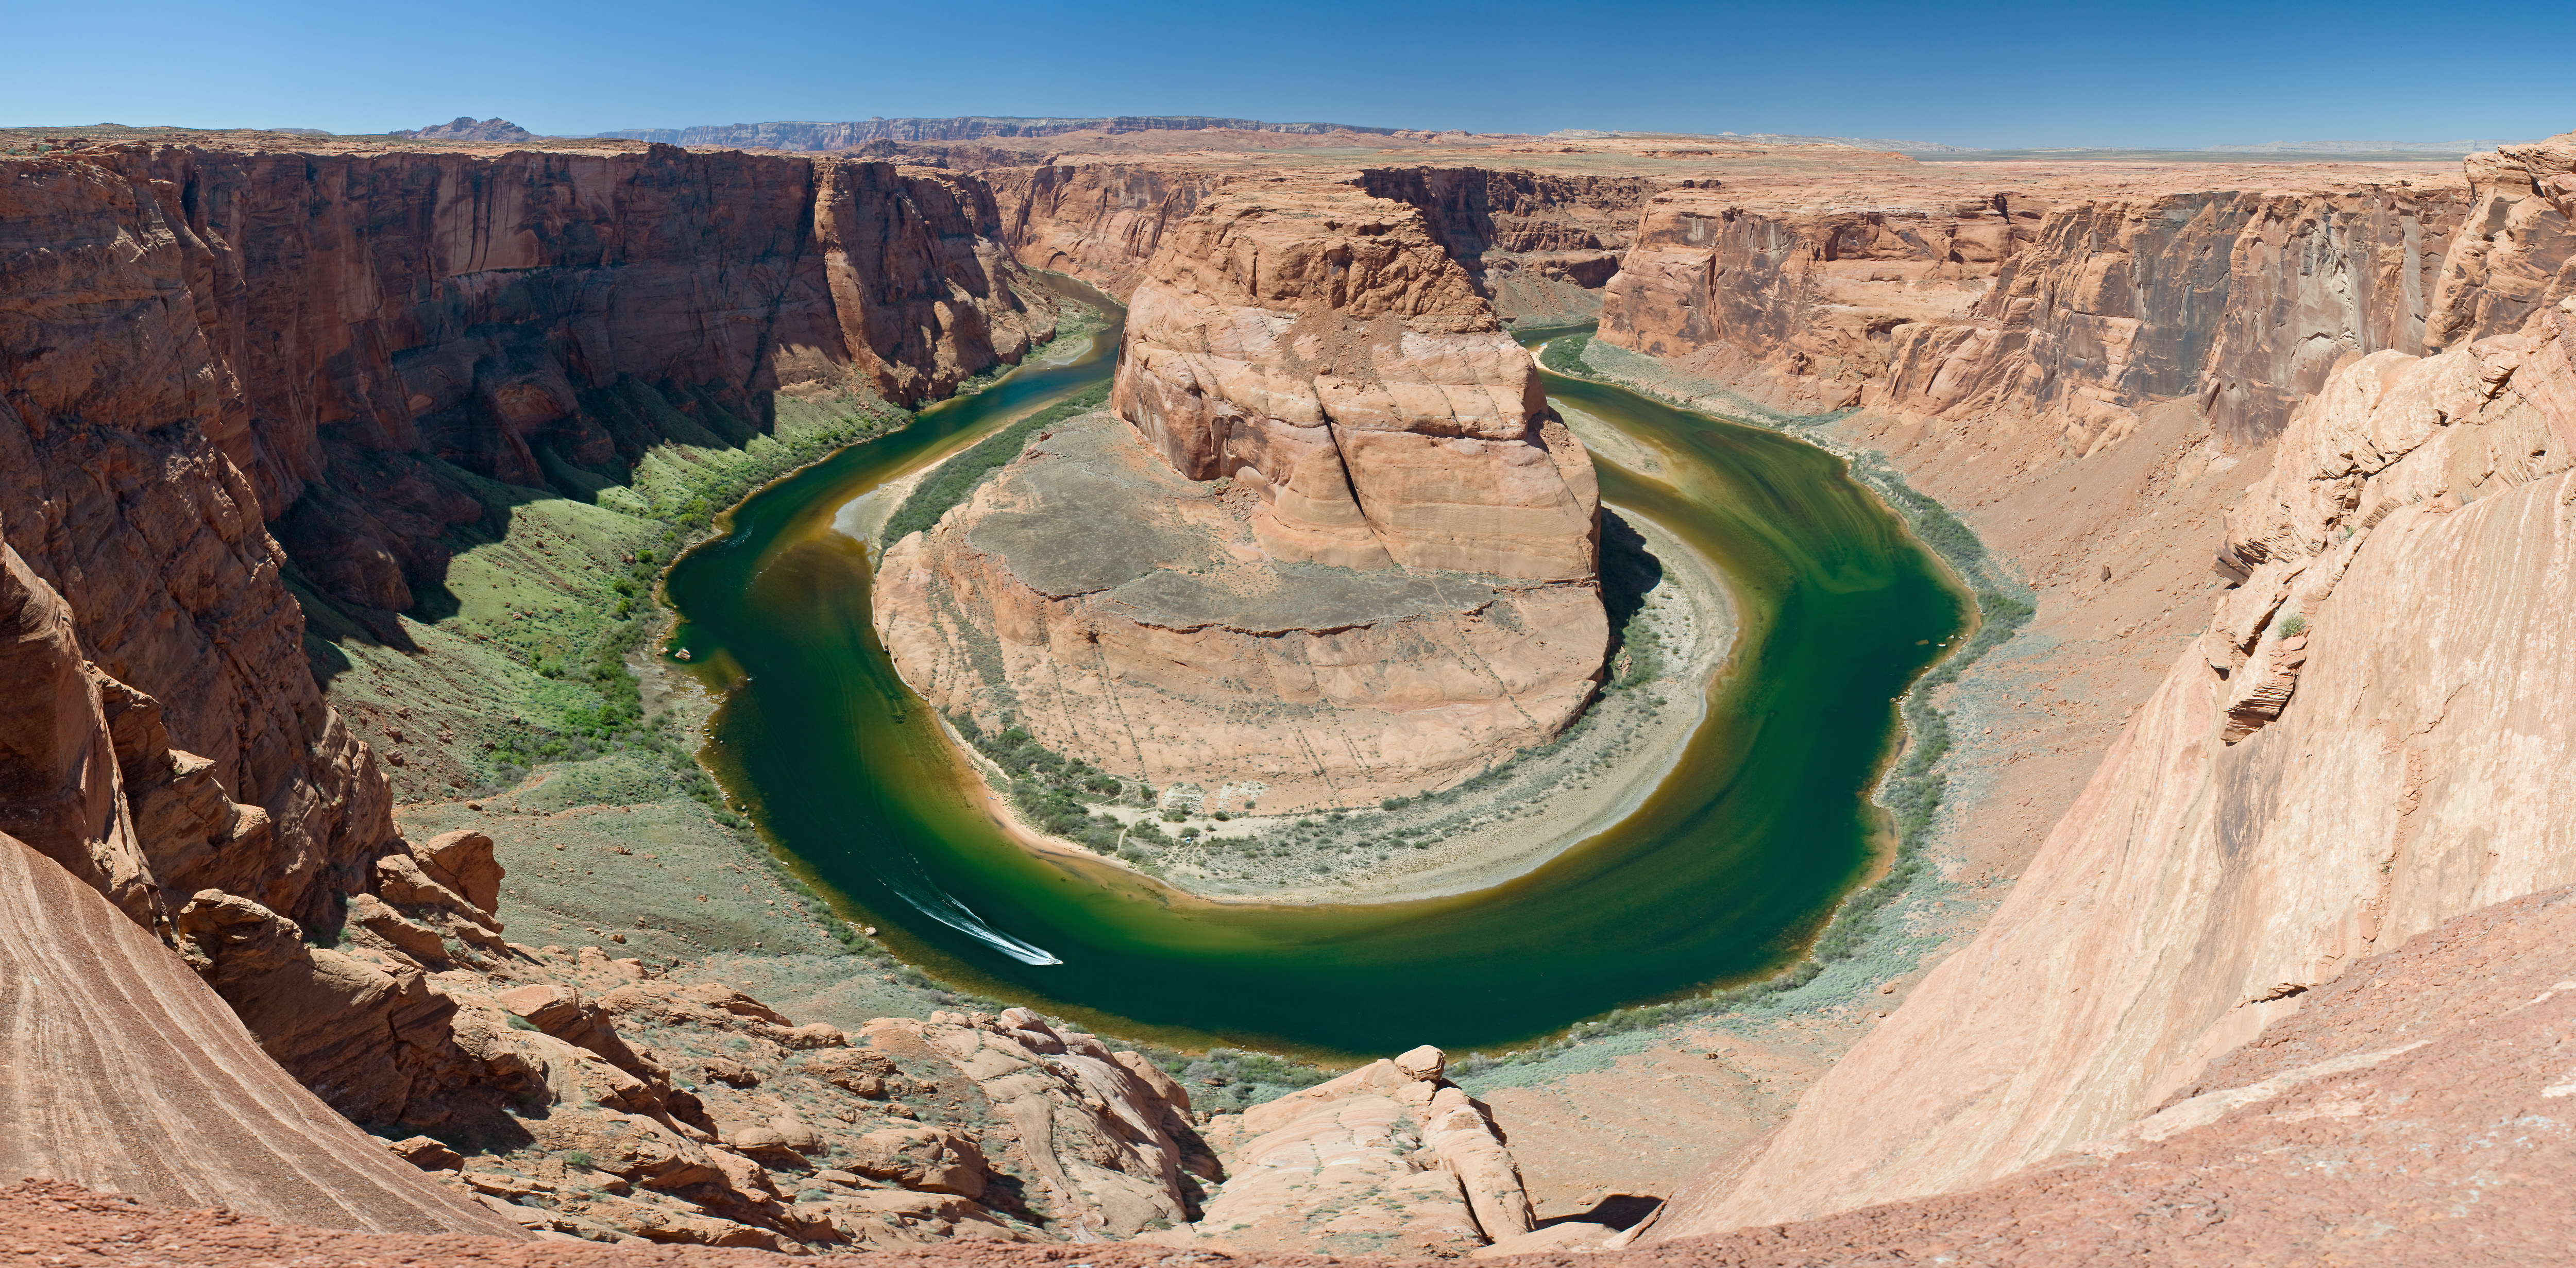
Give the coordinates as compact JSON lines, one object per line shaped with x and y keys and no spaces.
{"x":1722,"y":875}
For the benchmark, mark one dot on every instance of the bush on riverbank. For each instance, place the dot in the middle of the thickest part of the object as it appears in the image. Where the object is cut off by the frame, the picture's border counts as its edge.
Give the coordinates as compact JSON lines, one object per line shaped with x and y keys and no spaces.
{"x":958,"y":478}
{"x":1055,"y":793}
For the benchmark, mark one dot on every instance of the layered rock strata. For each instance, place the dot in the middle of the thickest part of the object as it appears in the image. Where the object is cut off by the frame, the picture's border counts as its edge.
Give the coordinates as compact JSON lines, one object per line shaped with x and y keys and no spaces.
{"x":1390,"y":1158}
{"x":1541,"y":245}
{"x":2079,"y":307}
{"x":2366,"y":741}
{"x":1352,"y":557}
{"x":1322,"y":348}
{"x":200,"y":341}
{"x":1101,"y":222}
{"x":1120,"y":612}
{"x":126,"y":1074}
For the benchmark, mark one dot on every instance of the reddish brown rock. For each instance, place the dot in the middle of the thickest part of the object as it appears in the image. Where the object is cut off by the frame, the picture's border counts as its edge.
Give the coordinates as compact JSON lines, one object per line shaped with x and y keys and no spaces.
{"x":1129,"y":617}
{"x":126,"y":1072}
{"x":1321,"y":347}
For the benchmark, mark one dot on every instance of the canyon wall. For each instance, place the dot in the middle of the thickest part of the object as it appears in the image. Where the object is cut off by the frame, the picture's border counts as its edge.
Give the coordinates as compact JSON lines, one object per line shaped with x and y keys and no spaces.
{"x":1099,"y":222}
{"x":2078,"y":307}
{"x":1540,"y":245}
{"x":838,"y":136}
{"x":2369,"y":738}
{"x":1537,"y":245}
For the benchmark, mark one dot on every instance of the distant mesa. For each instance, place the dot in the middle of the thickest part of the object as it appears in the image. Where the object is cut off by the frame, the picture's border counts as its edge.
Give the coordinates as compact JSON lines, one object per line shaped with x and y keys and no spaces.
{"x":2436,"y":149}
{"x":464,"y":128}
{"x":1762,"y":138}
{"x":300,"y":131}
{"x":839,"y":136}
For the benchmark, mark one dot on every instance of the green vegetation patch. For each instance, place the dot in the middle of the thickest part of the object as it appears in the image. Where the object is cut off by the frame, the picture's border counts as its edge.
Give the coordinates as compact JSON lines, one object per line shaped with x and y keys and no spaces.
{"x":1055,"y":793}
{"x":958,"y":478}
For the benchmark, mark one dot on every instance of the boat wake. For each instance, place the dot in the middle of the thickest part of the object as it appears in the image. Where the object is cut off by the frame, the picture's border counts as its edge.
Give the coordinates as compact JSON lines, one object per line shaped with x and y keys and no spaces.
{"x":940,"y":906}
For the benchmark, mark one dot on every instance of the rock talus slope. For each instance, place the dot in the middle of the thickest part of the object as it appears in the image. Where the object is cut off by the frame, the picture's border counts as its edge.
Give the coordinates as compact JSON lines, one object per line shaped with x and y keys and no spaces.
{"x":2368,"y":739}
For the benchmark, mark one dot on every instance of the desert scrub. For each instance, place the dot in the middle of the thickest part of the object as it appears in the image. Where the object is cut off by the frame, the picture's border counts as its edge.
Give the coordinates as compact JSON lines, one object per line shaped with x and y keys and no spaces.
{"x":1227,"y":1080}
{"x":957,"y":478}
{"x":1054,"y":792}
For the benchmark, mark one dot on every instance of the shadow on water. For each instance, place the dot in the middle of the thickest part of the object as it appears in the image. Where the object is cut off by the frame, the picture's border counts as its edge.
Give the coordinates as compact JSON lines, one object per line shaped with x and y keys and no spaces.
{"x":1722,"y":874}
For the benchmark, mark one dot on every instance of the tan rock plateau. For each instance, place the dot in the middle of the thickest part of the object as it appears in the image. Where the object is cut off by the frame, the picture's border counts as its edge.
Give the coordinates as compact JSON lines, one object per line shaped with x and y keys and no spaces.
{"x":1361,"y":568}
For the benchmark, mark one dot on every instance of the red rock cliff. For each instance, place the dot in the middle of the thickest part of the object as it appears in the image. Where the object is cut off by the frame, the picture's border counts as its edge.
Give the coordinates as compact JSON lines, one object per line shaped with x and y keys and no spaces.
{"x":1323,"y":347}
{"x":198,"y":341}
{"x":2076,"y":303}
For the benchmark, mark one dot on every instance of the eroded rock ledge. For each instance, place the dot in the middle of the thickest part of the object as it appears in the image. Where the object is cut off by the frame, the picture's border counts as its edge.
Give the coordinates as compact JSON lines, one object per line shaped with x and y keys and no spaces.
{"x":1338,"y":549}
{"x":1128,"y":615}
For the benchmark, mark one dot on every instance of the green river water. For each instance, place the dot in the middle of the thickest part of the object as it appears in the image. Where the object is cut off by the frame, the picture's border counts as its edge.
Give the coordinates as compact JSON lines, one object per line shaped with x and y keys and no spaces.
{"x":1723,"y":874}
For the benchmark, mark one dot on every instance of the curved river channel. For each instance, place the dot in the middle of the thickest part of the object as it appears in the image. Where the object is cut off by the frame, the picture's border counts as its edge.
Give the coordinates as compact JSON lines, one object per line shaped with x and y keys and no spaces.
{"x":1723,"y":874}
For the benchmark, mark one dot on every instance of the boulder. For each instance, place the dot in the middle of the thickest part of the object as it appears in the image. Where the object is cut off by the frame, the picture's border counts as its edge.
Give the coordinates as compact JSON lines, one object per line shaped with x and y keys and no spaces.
{"x":930,"y":1158}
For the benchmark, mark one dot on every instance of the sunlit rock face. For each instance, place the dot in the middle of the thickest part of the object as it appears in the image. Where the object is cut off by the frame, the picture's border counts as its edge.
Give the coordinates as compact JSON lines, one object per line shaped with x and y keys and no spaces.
{"x":1321,"y":347}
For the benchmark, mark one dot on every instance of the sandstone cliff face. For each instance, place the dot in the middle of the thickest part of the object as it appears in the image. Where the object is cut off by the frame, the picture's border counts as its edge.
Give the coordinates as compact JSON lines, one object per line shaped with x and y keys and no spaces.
{"x":2080,"y":306}
{"x":1321,"y":347}
{"x":1100,"y":222}
{"x":1141,"y":621}
{"x":1810,"y":296}
{"x":197,"y":341}
{"x":2369,"y":739}
{"x":1540,"y":245}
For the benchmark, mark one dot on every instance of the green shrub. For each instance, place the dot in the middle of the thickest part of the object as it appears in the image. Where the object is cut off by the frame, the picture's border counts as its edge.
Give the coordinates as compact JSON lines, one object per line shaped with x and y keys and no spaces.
{"x":958,"y":477}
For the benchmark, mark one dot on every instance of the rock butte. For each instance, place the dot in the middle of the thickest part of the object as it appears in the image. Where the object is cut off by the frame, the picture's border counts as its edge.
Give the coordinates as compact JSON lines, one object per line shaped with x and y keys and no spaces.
{"x":1395,"y":586}
{"x":2316,"y":871}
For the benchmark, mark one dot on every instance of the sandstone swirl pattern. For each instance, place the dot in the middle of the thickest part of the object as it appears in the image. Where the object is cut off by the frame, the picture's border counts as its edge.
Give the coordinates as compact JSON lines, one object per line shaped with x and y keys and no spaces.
{"x":1352,"y":556}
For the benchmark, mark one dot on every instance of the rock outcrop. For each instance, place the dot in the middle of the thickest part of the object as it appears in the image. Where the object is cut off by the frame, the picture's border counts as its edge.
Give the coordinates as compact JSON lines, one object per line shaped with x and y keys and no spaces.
{"x":125,"y":1073}
{"x":1122,"y":614}
{"x":2368,"y":740}
{"x":2349,"y":1131}
{"x":1322,"y":348}
{"x":1352,"y":558}
{"x":1390,"y":1158}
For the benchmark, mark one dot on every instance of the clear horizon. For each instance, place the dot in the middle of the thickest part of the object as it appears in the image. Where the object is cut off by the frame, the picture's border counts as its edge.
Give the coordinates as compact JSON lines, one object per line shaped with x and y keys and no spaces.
{"x":2028,"y":76}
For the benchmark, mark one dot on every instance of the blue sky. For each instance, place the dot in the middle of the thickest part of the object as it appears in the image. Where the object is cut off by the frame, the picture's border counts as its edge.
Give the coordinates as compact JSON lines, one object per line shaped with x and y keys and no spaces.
{"x":1994,"y":74}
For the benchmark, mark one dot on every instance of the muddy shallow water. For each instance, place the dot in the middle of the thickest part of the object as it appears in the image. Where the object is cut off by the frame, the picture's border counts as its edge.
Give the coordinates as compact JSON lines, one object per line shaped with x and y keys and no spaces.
{"x":1722,"y":874}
